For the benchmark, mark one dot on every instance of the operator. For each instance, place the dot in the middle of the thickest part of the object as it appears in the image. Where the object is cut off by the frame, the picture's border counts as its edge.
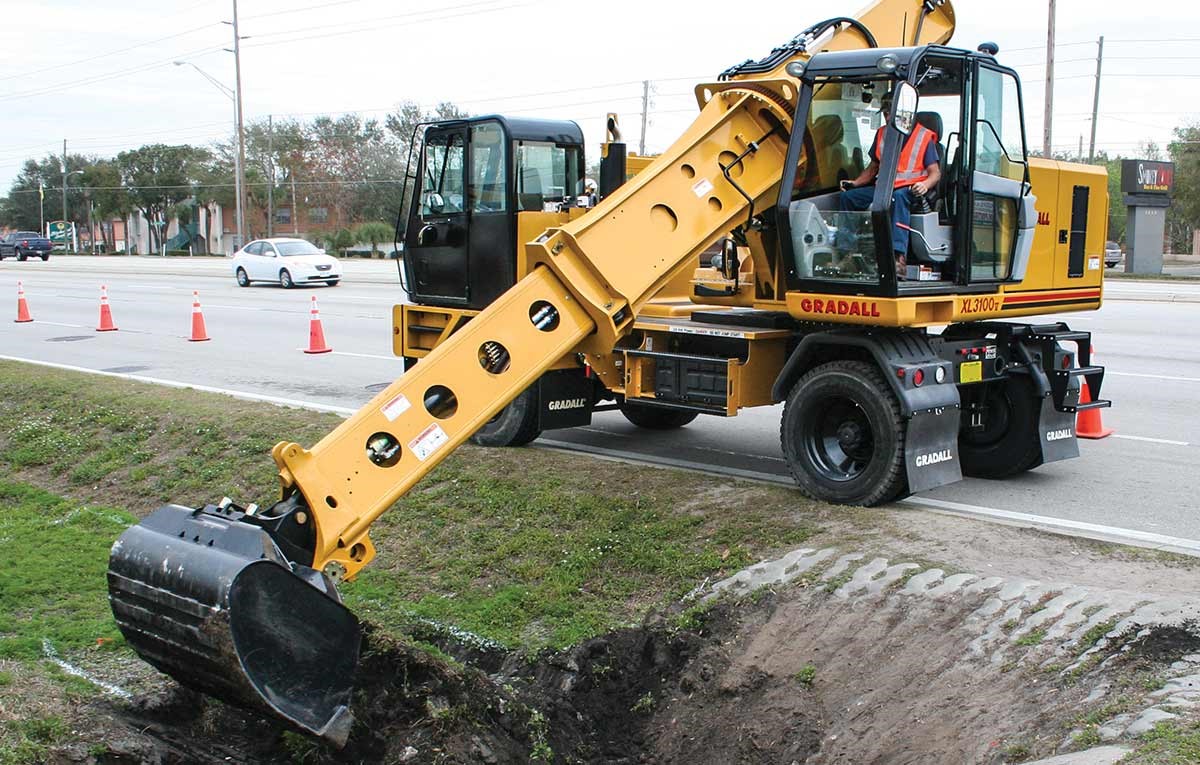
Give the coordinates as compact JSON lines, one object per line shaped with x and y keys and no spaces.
{"x":917,"y":172}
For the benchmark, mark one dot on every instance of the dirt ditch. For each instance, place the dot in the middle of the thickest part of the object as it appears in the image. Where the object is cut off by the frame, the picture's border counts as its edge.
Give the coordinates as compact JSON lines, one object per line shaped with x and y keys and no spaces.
{"x":816,"y":658}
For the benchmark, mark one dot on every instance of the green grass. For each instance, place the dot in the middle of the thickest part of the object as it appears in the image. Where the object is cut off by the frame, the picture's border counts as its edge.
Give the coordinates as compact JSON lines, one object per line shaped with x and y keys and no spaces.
{"x":53,"y":555}
{"x":1032,"y":638}
{"x":27,"y":742}
{"x":525,"y":547}
{"x":510,"y":545}
{"x":806,"y":675}
{"x":1169,"y":743}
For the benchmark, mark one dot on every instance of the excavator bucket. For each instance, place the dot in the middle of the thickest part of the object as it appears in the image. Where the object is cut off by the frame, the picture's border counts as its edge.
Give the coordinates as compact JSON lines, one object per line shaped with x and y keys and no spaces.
{"x":209,"y":599}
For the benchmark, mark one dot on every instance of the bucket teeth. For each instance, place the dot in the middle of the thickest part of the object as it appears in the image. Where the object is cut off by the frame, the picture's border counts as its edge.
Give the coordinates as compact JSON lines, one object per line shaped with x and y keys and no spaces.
{"x":207,"y":598}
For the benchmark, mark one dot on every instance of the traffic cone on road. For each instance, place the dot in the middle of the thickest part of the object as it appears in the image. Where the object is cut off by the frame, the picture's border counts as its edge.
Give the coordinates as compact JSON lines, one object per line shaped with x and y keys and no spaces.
{"x":22,"y":306}
{"x":1088,"y":423}
{"x":316,"y":335}
{"x":198,"y":333}
{"x":106,"y":319}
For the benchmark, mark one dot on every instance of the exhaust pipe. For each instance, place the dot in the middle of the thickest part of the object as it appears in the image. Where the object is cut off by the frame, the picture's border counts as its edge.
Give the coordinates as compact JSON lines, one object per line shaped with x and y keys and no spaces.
{"x":206,"y":596}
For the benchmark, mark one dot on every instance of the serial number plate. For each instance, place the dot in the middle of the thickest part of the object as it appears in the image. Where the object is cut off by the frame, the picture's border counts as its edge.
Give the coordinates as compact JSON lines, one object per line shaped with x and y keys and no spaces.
{"x":970,"y":371}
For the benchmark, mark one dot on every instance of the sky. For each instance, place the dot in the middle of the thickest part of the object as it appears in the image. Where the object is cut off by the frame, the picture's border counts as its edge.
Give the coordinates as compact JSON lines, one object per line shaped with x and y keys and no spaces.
{"x":100,"y":73}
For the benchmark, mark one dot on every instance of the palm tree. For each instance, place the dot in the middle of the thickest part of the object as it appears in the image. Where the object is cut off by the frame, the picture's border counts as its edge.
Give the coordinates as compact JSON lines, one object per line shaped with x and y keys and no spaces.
{"x":373,"y":232}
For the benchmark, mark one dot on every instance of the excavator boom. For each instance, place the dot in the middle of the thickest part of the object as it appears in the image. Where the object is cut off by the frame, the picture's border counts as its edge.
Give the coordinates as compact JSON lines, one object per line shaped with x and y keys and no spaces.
{"x":242,"y":603}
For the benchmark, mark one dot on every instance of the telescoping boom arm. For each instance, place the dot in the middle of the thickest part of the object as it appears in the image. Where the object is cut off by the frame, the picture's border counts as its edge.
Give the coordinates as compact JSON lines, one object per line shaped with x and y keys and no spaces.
{"x":243,"y":604}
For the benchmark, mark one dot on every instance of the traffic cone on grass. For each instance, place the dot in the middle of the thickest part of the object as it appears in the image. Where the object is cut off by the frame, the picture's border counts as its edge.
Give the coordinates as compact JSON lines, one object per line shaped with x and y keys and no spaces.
{"x":1088,"y":423}
{"x":198,"y":332}
{"x":22,"y":307}
{"x":316,"y":335}
{"x":106,"y":319}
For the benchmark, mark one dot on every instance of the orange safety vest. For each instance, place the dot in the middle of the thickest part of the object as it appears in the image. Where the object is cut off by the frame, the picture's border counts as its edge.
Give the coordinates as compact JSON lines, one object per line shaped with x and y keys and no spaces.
{"x":911,"y":166}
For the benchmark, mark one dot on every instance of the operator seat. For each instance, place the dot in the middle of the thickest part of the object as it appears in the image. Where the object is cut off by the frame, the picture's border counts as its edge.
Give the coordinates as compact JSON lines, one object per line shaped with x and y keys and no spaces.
{"x":828,"y":132}
{"x":530,"y":195}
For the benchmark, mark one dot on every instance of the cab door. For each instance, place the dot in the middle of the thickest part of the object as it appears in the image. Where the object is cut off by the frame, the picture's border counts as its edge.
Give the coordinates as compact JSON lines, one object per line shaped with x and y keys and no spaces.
{"x":436,"y":246}
{"x":1000,"y":216}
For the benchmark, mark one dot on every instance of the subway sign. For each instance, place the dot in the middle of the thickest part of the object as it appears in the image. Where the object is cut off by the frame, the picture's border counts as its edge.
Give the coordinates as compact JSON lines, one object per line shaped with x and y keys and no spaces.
{"x":1143,"y":176}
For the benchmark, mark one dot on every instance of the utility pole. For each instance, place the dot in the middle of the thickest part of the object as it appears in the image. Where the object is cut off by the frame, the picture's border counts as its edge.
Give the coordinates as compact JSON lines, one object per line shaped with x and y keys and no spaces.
{"x":64,"y":193}
{"x":42,"y":207}
{"x":271,"y":179}
{"x":645,"y":113}
{"x":295,"y":223}
{"x":1048,"y":119}
{"x":1096,"y":99}
{"x":241,"y":136}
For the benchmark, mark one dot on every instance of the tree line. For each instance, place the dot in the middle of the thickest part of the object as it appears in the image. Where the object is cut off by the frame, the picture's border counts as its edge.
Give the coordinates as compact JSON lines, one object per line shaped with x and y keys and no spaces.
{"x":354,"y":168}
{"x":350,"y":166}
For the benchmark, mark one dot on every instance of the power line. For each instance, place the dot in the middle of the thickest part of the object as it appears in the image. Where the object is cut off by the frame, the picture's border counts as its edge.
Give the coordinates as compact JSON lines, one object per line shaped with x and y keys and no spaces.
{"x":300,"y":10}
{"x":61,"y":86}
{"x":109,"y":53}
{"x":330,"y":30}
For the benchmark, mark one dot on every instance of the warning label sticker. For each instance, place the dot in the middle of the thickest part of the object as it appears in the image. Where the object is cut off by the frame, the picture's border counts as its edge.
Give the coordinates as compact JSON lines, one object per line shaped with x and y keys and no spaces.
{"x":702,"y":188}
{"x":396,"y":407}
{"x":428,"y":442}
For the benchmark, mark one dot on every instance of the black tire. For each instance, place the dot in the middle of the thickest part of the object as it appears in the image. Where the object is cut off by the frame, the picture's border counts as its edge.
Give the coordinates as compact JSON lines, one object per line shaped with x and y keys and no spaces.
{"x":285,"y":279}
{"x":45,"y":257}
{"x":1009,"y":442}
{"x":333,"y":283}
{"x":843,"y":436}
{"x":20,"y":255}
{"x":515,"y":425}
{"x":655,"y":418}
{"x":243,"y":279}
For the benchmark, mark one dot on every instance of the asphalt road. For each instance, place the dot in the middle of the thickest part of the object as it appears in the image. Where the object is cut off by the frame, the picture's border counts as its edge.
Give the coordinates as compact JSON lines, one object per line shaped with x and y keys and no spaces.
{"x":1145,"y":478}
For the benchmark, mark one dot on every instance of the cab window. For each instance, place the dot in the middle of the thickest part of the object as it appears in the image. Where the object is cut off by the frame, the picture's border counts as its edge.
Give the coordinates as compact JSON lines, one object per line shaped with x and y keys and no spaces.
{"x":443,"y":179}
{"x":488,"y":186}
{"x":547,"y":172}
{"x":999,"y":155}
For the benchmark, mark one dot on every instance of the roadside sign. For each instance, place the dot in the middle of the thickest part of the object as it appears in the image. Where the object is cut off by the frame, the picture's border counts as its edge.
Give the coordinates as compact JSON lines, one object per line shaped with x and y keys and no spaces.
{"x":61,"y":234}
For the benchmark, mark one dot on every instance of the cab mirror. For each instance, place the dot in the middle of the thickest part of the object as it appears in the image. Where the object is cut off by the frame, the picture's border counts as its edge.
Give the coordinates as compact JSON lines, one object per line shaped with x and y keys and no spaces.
{"x":904,"y":108}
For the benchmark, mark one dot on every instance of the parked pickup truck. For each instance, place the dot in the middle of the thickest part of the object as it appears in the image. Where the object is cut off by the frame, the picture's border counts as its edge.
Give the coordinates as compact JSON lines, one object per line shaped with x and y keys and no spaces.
{"x":24,"y":244}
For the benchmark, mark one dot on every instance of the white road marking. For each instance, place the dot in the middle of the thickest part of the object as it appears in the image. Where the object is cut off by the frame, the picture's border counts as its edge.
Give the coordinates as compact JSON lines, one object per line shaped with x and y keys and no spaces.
{"x":1151,"y":377}
{"x":59,"y":324}
{"x":1151,"y":440}
{"x":1060,"y":525}
{"x":365,"y":355}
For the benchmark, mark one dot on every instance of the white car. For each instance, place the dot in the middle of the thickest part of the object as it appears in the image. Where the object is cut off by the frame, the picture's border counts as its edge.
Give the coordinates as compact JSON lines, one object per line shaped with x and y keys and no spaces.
{"x":286,"y":262}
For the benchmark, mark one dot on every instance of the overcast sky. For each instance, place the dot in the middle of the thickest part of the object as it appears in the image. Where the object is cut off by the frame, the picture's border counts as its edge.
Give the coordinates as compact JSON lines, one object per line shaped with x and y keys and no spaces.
{"x":99,"y":73}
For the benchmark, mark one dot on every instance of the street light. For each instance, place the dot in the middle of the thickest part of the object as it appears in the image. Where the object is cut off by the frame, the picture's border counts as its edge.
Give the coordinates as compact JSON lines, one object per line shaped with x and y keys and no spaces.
{"x":239,"y":179}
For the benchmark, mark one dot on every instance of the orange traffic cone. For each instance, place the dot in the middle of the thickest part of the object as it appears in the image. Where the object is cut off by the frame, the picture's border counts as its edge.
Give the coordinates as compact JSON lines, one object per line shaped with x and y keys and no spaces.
{"x":22,"y":306}
{"x":316,"y":335}
{"x":198,"y":333}
{"x":106,"y":319}
{"x":1088,"y":423}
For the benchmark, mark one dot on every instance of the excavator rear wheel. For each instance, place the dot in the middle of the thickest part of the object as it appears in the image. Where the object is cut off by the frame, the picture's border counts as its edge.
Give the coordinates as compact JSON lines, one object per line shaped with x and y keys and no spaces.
{"x":515,"y":425}
{"x":1008,"y":443}
{"x":656,"y":418}
{"x":843,"y":435}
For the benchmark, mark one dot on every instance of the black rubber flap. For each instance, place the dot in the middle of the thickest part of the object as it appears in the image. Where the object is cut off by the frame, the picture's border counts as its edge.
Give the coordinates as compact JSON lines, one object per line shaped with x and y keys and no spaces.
{"x":210,"y":600}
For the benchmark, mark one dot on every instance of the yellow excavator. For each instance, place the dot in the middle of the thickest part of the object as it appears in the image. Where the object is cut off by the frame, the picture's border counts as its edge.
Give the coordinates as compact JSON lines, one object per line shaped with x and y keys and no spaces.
{"x":893,"y":380}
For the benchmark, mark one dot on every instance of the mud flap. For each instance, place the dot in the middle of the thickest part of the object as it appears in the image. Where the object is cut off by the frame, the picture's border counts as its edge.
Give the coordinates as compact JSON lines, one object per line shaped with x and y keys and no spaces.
{"x":1056,"y":429}
{"x":209,"y":599}
{"x":565,"y":398}
{"x":931,"y":448}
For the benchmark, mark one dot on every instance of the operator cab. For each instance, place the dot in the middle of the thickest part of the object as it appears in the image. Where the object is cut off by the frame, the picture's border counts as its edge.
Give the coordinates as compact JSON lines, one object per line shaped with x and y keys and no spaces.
{"x":972,"y":232}
{"x":462,"y":219}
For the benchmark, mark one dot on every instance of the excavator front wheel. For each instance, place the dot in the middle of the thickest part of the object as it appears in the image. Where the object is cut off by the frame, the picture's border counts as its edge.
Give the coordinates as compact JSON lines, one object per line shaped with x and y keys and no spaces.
{"x":843,"y":435}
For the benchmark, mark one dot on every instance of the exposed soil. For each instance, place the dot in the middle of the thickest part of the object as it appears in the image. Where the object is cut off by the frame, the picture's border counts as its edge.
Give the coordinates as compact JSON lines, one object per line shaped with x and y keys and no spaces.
{"x":803,"y":675}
